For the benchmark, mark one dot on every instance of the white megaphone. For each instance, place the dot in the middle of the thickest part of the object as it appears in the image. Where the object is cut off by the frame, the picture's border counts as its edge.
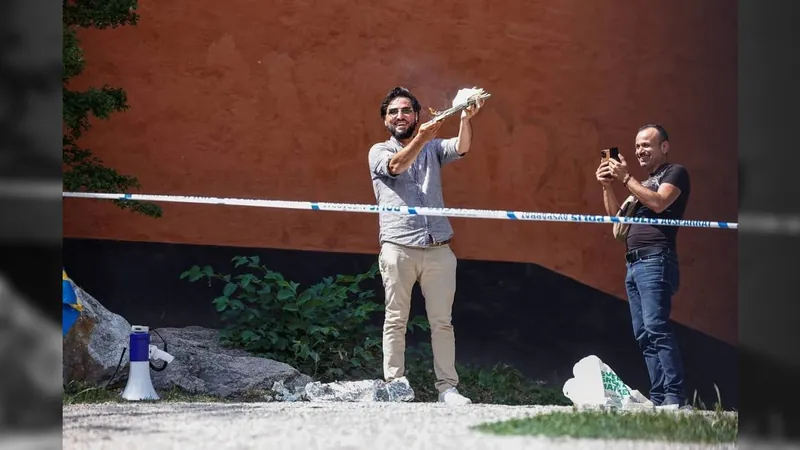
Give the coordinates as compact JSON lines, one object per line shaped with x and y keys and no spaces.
{"x":139,"y":386}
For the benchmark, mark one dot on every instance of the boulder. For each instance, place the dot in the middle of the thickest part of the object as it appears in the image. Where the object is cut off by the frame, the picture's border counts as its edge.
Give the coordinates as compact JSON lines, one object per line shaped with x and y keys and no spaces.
{"x":203,"y":366}
{"x":94,"y":345}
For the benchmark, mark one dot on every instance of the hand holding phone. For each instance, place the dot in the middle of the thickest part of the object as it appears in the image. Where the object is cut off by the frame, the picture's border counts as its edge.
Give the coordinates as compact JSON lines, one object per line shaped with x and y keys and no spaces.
{"x":612,"y":152}
{"x":604,"y":172}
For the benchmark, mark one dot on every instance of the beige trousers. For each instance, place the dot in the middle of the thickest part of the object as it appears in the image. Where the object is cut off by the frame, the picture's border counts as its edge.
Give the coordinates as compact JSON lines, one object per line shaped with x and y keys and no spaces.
{"x":435,"y":269}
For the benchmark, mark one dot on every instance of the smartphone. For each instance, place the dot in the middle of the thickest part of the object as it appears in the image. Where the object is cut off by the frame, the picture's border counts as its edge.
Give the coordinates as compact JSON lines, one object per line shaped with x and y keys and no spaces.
{"x":612,"y":152}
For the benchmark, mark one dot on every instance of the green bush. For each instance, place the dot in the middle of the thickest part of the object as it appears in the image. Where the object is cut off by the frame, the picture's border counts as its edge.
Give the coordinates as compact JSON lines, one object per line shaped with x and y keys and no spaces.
{"x":323,"y":331}
{"x":500,"y":384}
{"x":327,"y":331}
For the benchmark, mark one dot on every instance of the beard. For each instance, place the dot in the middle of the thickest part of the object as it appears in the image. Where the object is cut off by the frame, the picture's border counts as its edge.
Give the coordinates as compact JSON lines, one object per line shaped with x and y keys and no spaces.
{"x":400,"y":135}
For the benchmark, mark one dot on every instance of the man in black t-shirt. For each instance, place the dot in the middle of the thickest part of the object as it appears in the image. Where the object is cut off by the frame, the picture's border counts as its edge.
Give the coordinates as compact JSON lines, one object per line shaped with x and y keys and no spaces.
{"x":653,"y":275}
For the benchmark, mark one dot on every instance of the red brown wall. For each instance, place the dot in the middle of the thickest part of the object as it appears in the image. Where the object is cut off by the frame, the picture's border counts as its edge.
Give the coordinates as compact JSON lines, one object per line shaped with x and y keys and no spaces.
{"x":279,"y":100}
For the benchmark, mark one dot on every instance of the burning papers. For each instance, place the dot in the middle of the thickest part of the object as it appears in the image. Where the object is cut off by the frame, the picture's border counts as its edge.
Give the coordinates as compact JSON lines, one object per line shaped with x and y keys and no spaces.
{"x":464,"y":98}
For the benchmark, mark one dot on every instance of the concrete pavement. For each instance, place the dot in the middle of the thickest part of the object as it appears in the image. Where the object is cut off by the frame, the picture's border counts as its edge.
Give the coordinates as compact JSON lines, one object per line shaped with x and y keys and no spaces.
{"x":305,"y":425}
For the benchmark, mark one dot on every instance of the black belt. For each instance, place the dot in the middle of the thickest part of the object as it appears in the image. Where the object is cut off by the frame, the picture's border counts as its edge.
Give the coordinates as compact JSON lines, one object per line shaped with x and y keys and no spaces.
{"x":439,"y":244}
{"x":635,"y":255}
{"x":420,"y":247}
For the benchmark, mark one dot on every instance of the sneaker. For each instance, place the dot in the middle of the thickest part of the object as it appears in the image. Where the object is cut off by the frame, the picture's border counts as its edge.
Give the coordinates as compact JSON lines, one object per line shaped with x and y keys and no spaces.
{"x":669,"y":406}
{"x":452,"y":397}
{"x":672,"y":404}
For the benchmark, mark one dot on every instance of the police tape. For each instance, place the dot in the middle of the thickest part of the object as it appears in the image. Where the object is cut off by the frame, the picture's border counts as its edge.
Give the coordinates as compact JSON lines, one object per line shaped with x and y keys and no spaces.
{"x":408,"y":210}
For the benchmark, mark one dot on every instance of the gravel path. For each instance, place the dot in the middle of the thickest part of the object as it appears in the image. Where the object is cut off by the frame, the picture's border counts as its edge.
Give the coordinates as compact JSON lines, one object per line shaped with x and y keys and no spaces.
{"x":304,"y":425}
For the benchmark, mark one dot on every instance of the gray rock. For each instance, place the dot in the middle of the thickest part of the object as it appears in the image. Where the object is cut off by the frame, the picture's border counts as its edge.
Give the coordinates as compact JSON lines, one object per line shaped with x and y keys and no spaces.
{"x":203,"y":366}
{"x":93,"y":346}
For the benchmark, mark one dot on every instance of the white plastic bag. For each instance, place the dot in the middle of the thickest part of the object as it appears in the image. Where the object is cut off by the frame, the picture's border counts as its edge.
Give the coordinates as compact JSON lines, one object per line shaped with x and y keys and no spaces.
{"x":465,"y":94}
{"x":596,"y":384}
{"x":397,"y":390}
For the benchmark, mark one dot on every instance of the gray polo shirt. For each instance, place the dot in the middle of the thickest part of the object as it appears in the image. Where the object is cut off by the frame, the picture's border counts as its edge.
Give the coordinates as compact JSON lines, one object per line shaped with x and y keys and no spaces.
{"x":420,"y":185}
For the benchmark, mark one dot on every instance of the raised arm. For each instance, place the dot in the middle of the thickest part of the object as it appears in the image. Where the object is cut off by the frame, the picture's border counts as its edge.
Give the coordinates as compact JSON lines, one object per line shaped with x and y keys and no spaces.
{"x":400,"y":162}
{"x":657,"y":201}
{"x":464,"y":137}
{"x":610,"y":201}
{"x":465,"y":129}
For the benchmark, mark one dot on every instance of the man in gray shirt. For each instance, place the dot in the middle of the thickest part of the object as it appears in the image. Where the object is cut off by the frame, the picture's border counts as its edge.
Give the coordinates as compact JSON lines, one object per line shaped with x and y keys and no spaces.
{"x":406,"y":171}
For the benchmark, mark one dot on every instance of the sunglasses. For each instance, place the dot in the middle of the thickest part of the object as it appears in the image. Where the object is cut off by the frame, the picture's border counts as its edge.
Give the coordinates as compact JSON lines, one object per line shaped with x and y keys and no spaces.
{"x":393,"y":111}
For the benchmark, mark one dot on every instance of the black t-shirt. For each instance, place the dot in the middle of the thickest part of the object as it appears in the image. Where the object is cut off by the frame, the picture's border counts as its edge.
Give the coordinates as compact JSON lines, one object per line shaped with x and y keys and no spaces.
{"x":642,"y":235}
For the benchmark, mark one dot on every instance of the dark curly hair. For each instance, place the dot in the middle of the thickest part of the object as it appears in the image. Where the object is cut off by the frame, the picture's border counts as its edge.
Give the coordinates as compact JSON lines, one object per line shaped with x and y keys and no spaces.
{"x":399,"y":91}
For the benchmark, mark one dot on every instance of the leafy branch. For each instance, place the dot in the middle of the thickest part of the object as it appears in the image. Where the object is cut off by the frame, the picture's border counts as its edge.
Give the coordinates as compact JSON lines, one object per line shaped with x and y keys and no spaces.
{"x":83,"y":170}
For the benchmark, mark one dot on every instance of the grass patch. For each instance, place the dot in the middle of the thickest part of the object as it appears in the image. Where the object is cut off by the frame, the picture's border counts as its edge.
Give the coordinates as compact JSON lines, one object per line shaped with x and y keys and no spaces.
{"x":662,"y":426}
{"x":79,"y":393}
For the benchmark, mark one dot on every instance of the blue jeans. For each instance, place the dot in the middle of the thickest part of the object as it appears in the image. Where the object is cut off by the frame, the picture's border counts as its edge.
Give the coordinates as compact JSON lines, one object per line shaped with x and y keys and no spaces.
{"x":651,"y":283}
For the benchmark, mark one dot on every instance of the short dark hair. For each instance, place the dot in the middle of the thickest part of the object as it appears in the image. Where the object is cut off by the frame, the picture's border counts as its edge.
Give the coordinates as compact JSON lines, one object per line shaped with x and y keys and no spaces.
{"x":399,"y":91}
{"x":662,"y":132}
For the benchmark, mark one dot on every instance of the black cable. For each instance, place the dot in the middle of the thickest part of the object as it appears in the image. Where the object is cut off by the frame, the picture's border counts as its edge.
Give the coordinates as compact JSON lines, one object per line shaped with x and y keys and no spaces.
{"x":153,"y":366}
{"x":119,"y":363}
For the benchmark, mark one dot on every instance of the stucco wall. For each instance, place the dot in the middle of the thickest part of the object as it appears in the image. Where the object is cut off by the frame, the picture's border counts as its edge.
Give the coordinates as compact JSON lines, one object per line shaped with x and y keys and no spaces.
{"x":279,"y":100}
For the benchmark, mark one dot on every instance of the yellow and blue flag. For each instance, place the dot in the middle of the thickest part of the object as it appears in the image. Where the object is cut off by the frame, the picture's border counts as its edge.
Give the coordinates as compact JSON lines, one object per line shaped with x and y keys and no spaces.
{"x":71,"y":307}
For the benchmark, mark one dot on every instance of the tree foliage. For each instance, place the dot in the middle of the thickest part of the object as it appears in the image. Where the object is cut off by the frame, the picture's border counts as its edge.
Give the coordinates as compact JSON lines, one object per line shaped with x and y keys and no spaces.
{"x":83,"y":170}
